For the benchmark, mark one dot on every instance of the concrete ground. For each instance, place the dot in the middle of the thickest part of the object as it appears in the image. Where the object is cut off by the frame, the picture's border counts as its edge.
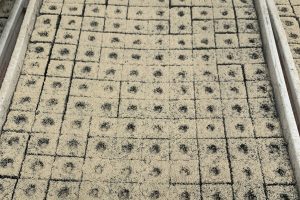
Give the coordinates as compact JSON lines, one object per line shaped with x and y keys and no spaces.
{"x":145,"y":99}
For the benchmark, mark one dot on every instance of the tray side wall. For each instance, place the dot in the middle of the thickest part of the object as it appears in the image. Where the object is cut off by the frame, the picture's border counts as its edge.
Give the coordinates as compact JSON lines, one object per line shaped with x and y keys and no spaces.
{"x":283,"y":103}
{"x":15,"y":65}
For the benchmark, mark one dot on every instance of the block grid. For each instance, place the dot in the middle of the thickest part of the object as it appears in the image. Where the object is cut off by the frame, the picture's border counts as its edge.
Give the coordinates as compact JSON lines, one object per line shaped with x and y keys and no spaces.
{"x":149,"y":99}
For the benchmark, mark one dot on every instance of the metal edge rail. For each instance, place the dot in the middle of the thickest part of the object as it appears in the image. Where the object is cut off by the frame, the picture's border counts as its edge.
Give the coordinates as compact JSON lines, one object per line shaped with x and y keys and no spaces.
{"x":283,"y":103}
{"x":288,"y":64}
{"x":14,"y":69}
{"x":9,"y":34}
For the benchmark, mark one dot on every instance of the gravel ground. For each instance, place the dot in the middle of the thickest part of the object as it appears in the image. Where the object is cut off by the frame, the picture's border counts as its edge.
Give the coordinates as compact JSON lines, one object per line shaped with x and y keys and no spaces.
{"x":145,"y":99}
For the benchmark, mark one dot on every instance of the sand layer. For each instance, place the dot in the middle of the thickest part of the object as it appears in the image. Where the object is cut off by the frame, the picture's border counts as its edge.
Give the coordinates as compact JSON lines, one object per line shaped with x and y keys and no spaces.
{"x":152,"y":99}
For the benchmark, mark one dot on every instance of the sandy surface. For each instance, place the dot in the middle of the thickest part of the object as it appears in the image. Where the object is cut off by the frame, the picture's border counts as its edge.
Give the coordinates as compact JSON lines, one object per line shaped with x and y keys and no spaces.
{"x":144,"y":100}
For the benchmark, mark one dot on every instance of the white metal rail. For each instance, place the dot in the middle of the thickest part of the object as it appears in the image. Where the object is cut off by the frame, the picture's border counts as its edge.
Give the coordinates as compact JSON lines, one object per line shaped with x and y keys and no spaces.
{"x":9,"y":35}
{"x":283,"y":102}
{"x":15,"y":64}
{"x":288,"y":64}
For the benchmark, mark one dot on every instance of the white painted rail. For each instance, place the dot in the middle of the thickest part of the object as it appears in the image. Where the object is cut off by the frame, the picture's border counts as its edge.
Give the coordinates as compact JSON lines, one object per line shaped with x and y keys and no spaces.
{"x":283,"y":103}
{"x":14,"y":68}
{"x":287,"y":61}
{"x":9,"y":35}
